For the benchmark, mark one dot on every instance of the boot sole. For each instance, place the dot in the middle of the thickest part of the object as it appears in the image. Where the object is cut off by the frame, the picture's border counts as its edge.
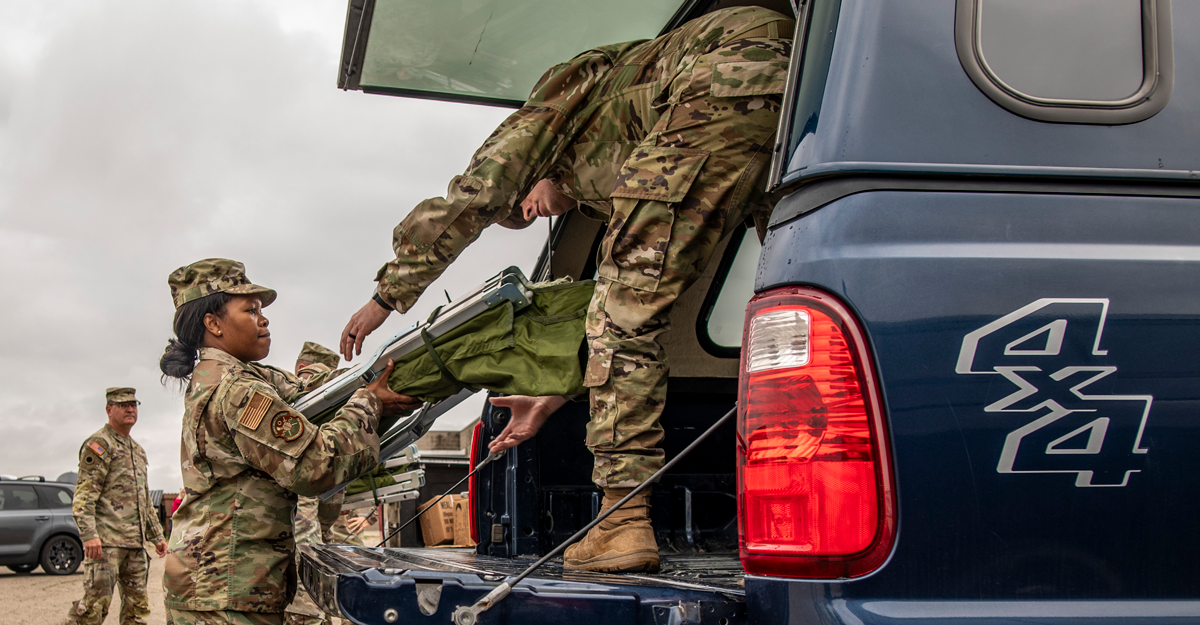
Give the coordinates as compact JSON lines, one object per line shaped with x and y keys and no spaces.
{"x":617,"y":562}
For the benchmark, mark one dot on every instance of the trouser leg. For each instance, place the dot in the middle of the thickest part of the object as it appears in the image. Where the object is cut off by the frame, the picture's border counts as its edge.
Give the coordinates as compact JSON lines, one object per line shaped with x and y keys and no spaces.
{"x":185,"y":617}
{"x":696,"y":169}
{"x":99,"y":576}
{"x":133,"y":571}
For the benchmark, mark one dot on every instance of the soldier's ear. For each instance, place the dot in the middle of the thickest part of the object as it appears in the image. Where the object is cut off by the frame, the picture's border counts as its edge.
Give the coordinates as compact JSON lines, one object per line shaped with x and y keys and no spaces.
{"x":212,"y":324}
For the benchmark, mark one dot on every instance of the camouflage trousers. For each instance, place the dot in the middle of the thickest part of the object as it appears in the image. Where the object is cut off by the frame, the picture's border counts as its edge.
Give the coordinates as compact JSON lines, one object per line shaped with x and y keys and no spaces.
{"x":658,"y":242}
{"x":184,"y":617}
{"x":340,"y":534}
{"x":306,"y":524}
{"x":127,"y":569}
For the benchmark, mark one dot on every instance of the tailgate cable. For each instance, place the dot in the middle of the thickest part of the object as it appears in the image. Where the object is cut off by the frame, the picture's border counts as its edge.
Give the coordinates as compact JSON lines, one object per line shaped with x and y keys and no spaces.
{"x":469,"y":615}
{"x":492,"y":456}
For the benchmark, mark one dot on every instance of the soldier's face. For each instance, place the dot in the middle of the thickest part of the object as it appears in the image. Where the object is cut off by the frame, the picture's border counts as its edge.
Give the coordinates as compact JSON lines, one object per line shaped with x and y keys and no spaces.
{"x":244,"y":334}
{"x":122,"y":415}
{"x":300,"y":364}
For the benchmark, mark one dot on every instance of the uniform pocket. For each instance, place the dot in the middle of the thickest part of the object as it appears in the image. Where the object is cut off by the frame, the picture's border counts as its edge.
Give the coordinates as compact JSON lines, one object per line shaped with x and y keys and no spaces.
{"x":748,"y":78}
{"x":599,"y":367}
{"x":659,"y":173}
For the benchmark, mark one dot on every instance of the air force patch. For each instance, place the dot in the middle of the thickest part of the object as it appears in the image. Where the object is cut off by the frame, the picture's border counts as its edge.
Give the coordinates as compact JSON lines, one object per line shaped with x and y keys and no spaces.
{"x":287,"y":426}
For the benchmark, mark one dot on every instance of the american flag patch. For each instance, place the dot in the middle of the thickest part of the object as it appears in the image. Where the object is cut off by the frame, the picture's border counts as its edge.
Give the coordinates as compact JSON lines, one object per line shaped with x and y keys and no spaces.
{"x":255,"y":410}
{"x":96,"y":447}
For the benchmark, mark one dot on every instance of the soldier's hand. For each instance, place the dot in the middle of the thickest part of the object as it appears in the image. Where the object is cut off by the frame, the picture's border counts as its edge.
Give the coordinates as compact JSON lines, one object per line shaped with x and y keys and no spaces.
{"x":161,"y":548}
{"x":92,"y":549}
{"x":357,"y":524}
{"x":394,"y":404}
{"x":528,"y":415}
{"x":364,"y":322}
{"x":545,"y":200}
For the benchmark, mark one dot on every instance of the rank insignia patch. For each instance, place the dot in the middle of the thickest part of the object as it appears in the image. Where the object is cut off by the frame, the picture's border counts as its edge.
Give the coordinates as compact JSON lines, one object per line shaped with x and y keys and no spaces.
{"x":255,"y":410}
{"x":287,"y":426}
{"x":96,"y":447}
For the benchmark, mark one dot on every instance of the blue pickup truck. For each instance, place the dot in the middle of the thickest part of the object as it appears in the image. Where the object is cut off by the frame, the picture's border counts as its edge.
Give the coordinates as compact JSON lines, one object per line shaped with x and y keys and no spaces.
{"x":965,"y":354}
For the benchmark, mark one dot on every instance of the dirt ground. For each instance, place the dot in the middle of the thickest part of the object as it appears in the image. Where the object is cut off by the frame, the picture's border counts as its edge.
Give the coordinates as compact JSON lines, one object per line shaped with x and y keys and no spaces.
{"x":40,"y":599}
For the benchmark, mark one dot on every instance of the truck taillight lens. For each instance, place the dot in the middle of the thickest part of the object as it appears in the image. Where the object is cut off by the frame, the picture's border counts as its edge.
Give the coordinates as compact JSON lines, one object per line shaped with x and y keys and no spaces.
{"x":476,"y":444}
{"x":815,"y":493}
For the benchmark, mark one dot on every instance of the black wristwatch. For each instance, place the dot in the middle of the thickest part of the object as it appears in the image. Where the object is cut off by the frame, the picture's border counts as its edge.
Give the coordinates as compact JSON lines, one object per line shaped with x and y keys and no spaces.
{"x":379,"y":300}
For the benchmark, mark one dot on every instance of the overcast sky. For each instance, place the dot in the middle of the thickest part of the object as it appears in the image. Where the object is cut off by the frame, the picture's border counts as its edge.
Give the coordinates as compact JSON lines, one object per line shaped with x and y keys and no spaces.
{"x":137,"y":136}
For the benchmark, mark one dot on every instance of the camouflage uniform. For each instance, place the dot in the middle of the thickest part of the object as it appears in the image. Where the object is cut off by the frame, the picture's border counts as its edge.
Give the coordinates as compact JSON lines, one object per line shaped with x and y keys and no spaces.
{"x":666,"y":140}
{"x":112,"y":503}
{"x":245,"y":456}
{"x":312,"y":522}
{"x":314,"y":519}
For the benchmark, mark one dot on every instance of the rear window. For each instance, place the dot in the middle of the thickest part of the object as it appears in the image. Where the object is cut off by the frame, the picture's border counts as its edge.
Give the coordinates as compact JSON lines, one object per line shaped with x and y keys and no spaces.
{"x":732,"y":289}
{"x":53,"y":497}
{"x":18,"y":497}
{"x":488,"y":51}
{"x":1085,"y":61}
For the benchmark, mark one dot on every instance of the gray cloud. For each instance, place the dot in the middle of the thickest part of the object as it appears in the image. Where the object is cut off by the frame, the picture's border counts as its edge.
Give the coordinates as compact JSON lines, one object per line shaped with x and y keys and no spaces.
{"x":138,"y":136}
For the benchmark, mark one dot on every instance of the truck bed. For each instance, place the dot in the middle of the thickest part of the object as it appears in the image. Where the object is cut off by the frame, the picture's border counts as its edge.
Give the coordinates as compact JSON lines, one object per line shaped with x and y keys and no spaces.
{"x":690,"y":588}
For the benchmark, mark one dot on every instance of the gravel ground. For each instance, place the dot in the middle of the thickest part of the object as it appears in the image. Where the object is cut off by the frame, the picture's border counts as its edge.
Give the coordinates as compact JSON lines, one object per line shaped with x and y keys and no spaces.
{"x":40,"y":599}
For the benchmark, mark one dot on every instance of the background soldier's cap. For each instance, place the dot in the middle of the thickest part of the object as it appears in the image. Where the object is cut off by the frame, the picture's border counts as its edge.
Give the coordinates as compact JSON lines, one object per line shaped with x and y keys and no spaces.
{"x":119,"y":394}
{"x":318,"y":354}
{"x":214,"y":275}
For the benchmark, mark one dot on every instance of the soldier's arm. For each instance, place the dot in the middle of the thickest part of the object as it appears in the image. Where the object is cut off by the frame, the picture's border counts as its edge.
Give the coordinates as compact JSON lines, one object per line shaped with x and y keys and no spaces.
{"x":301,"y":457}
{"x":515,"y":156}
{"x":328,"y":511}
{"x":93,"y":470}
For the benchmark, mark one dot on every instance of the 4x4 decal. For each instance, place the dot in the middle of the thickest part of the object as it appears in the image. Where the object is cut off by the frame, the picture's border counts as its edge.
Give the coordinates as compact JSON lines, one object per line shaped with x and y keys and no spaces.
{"x":1050,"y":352}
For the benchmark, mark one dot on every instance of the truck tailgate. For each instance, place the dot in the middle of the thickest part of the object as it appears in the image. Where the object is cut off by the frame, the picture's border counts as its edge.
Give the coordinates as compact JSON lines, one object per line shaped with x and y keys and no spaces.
{"x":374,"y":585}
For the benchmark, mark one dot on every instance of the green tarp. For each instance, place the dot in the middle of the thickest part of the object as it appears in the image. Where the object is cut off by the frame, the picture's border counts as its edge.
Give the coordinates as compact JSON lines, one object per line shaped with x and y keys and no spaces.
{"x":533,"y":351}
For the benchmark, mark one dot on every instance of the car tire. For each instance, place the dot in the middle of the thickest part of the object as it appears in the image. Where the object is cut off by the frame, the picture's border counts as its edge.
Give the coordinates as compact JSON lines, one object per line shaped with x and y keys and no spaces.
{"x":61,"y":555}
{"x":22,"y":568}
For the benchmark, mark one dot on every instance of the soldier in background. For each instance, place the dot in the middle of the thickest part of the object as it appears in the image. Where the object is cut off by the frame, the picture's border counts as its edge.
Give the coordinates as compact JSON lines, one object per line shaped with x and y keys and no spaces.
{"x":665,"y":140}
{"x":315,"y":359}
{"x":115,"y":516}
{"x":314,"y":520}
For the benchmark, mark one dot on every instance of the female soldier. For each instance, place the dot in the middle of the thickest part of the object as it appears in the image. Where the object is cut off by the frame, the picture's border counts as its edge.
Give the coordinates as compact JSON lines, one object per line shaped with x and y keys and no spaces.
{"x":245,"y":453}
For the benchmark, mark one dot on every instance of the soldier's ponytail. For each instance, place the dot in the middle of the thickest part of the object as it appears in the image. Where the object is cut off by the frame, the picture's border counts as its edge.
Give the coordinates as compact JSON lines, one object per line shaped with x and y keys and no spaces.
{"x":179,"y":359}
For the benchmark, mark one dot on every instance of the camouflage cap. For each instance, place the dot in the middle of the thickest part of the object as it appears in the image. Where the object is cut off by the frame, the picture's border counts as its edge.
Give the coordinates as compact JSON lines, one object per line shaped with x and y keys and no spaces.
{"x":319,"y":354}
{"x":119,"y":394}
{"x":214,"y":275}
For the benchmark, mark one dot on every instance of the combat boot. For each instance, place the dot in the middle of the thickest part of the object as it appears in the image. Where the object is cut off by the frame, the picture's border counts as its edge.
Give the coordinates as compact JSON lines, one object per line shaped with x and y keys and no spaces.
{"x":622,"y":543}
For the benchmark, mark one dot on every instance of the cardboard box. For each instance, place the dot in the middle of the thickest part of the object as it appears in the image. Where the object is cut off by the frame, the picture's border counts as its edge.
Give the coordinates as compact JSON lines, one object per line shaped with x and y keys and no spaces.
{"x":437,"y":525}
{"x":462,"y":523}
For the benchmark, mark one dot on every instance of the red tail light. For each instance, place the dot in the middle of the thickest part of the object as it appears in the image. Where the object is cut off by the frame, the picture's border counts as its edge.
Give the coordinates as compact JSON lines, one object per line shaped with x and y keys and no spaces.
{"x":815,"y":489}
{"x":475,"y":445}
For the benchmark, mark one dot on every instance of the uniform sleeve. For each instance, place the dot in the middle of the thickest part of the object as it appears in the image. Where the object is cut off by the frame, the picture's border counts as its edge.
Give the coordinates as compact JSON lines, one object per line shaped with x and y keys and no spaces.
{"x":328,"y":512}
{"x":301,"y":457}
{"x":93,"y":470}
{"x":516,"y":155}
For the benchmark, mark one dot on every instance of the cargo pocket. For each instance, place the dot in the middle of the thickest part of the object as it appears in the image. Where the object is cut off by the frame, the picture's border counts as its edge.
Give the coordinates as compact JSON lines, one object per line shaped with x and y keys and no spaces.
{"x":734,"y":79}
{"x":635,"y":247}
{"x":599,"y":367}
